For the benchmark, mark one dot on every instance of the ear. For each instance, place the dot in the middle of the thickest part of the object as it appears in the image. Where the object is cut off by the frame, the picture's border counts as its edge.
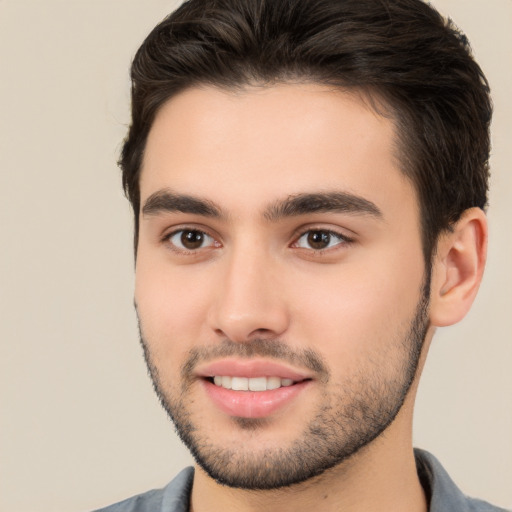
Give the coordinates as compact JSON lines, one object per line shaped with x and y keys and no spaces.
{"x":458,"y":267}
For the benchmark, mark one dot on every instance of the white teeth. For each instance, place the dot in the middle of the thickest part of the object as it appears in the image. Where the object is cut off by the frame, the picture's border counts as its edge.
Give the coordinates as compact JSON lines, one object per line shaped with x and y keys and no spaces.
{"x":258,"y":384}
{"x":273,"y":383}
{"x":239,"y":383}
{"x":251,"y":384}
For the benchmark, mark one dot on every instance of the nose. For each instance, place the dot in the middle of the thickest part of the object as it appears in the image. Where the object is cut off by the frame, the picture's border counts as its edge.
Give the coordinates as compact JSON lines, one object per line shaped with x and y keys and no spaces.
{"x":249,"y":302}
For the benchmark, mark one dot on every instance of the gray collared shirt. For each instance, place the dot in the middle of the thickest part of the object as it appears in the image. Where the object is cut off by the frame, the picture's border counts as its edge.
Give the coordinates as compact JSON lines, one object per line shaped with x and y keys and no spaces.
{"x":444,"y":495}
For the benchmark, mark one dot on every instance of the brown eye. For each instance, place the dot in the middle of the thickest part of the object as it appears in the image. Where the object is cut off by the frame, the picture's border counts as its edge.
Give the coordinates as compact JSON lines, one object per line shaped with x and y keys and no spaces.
{"x":190,"y":239}
{"x":319,"y":239}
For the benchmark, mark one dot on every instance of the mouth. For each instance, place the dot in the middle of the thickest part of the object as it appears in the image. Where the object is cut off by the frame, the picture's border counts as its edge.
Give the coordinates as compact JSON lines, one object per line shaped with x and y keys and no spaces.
{"x":257,"y":384}
{"x":252,"y":389}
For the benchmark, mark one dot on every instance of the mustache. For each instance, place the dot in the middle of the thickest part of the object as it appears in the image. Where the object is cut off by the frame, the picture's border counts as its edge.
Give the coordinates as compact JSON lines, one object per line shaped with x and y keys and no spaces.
{"x":257,"y":347}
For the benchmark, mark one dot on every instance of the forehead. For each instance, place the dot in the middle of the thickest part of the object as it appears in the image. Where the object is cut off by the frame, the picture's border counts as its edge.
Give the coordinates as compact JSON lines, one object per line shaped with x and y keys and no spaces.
{"x":242,"y":148}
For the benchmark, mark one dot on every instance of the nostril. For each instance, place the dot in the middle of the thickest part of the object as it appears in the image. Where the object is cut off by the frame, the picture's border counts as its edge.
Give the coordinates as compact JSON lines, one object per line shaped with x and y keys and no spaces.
{"x":261,"y":332}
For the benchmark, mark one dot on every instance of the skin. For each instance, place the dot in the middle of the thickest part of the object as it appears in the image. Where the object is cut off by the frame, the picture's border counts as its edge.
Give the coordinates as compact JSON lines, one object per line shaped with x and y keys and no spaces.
{"x":256,"y":276}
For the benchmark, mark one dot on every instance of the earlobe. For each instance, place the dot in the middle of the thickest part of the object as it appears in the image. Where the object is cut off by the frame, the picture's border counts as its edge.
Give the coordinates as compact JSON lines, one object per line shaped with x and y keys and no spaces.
{"x":458,"y":268}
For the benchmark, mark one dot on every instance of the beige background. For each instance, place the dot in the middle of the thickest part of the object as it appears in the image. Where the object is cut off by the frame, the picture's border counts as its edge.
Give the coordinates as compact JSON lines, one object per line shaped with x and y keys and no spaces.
{"x":79,"y":426}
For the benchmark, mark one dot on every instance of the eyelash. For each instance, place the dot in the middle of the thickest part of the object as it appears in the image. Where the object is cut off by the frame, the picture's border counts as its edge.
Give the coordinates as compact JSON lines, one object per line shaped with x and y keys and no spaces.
{"x":343,"y":240}
{"x":183,"y":250}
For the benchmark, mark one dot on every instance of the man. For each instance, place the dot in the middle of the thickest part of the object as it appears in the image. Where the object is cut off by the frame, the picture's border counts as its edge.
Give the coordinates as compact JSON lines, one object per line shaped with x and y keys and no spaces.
{"x":308,"y":179}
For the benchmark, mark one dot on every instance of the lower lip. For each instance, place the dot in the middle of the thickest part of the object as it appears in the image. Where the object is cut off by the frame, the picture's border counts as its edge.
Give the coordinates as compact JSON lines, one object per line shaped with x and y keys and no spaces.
{"x":253,"y":404}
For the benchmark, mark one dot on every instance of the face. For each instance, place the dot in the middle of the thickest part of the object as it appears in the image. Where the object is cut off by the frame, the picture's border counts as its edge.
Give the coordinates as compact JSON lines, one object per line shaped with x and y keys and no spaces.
{"x":280,"y":282}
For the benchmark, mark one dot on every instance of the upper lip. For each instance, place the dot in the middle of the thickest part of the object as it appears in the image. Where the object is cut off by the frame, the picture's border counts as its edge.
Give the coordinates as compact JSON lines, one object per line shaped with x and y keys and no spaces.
{"x":250,"y":368}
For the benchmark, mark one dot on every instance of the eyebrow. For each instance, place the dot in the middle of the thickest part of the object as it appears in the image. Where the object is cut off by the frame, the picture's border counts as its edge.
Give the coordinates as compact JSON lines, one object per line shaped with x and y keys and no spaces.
{"x":166,"y":201}
{"x":322,"y":202}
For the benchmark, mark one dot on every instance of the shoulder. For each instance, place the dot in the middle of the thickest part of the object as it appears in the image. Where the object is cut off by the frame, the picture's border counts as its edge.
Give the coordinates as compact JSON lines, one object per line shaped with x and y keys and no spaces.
{"x":475,"y":505}
{"x":444,"y":494}
{"x":174,"y":497}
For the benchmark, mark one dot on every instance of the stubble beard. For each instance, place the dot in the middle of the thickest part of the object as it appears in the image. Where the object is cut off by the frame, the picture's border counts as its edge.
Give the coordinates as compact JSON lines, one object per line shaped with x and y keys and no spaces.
{"x":346,"y":422}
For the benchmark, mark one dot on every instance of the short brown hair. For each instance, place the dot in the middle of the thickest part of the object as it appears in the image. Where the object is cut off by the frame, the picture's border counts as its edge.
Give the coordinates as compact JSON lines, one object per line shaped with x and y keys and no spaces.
{"x":400,"y":51}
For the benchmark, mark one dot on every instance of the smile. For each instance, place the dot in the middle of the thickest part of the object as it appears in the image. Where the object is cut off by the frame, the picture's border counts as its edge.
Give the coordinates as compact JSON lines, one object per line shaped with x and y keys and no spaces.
{"x":252,"y":383}
{"x":252,"y":388}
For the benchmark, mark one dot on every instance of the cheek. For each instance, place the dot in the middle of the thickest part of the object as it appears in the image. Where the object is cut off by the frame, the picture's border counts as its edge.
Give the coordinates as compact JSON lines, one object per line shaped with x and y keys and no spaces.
{"x":360,"y":308}
{"x":171,"y":304}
